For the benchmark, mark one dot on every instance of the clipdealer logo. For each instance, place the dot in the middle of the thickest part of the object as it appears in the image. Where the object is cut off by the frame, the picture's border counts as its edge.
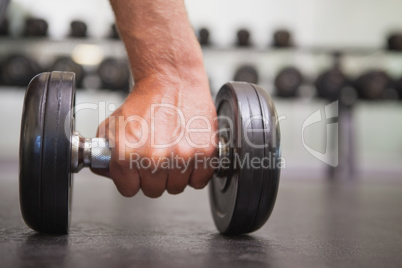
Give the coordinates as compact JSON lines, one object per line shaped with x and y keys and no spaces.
{"x":330,"y":115}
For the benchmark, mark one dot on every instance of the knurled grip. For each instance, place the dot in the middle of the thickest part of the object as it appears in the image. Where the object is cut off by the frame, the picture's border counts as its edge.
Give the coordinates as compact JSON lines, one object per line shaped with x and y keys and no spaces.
{"x":93,"y":153}
{"x":100,"y":153}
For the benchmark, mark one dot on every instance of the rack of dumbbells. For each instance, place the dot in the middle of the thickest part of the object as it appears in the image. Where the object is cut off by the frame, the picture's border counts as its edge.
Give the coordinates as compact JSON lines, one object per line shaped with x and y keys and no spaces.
{"x":98,"y":64}
{"x":343,"y":76}
{"x":288,"y":72}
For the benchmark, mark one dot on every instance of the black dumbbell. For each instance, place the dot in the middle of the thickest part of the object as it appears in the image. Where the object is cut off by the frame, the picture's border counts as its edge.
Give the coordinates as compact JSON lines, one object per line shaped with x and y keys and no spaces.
{"x":203,"y":37}
{"x":78,"y":29}
{"x":67,"y":64}
{"x":1,"y":73}
{"x":114,"y":33}
{"x":243,"y":38}
{"x":282,"y":39}
{"x":17,"y":70}
{"x":330,"y":84}
{"x":242,"y":196}
{"x":3,"y":8}
{"x":398,"y":87}
{"x":35,"y":27}
{"x":114,"y":74}
{"x":288,"y":82}
{"x":373,"y":85}
{"x":4,"y":27}
{"x":246,"y":73}
{"x":395,"y":42}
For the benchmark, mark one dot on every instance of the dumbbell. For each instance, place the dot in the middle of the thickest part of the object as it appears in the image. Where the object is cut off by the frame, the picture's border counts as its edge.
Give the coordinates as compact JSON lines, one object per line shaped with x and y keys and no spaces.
{"x":18,"y":69}
{"x":78,"y":29}
{"x":3,"y":8}
{"x":330,"y":83}
{"x":114,"y":74}
{"x":3,"y":27}
{"x":114,"y":34}
{"x":67,"y":64}
{"x":242,"y":197}
{"x":203,"y":36}
{"x":288,"y":82}
{"x":394,"y":42}
{"x":246,"y":73}
{"x":373,"y":85}
{"x":35,"y":27}
{"x":243,"y":38}
{"x":282,"y":39}
{"x":398,"y":86}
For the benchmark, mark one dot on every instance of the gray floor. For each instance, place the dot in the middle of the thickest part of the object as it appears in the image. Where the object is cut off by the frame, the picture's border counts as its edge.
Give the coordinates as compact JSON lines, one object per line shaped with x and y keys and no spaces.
{"x":315,"y":224}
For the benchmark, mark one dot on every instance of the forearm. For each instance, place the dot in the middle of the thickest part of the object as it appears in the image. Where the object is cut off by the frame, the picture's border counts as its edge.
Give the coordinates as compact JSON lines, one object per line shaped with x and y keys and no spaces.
{"x":158,"y":38}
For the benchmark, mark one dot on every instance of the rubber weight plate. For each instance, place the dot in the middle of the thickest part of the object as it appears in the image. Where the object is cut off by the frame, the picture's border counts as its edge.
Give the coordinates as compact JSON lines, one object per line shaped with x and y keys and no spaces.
{"x":242,"y":201}
{"x":45,"y":152}
{"x":288,"y":82}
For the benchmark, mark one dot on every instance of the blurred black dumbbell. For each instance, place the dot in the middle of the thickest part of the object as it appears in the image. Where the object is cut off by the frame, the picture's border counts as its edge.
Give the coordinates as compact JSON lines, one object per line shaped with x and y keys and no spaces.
{"x":1,"y":73}
{"x":78,"y":29}
{"x":243,"y":38}
{"x":246,"y":73}
{"x":330,"y":84}
{"x":114,"y":75}
{"x":67,"y":64}
{"x":373,"y":85}
{"x":18,"y":70}
{"x":3,"y":8}
{"x":282,"y":39}
{"x":114,"y":33}
{"x":288,"y":82}
{"x":35,"y":27}
{"x":203,"y":37}
{"x":4,"y":27}
{"x":398,"y":87}
{"x":395,"y":42}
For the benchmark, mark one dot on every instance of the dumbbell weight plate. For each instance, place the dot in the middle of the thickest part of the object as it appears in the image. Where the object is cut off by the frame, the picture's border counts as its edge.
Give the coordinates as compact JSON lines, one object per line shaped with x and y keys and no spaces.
{"x":45,"y":152}
{"x":330,"y":83}
{"x":203,"y":36}
{"x":246,"y":73}
{"x":18,"y":69}
{"x":288,"y":82}
{"x":78,"y":29}
{"x":3,"y":26}
{"x":242,"y":201}
{"x":372,"y":85}
{"x":67,"y":64}
{"x":114,"y":74}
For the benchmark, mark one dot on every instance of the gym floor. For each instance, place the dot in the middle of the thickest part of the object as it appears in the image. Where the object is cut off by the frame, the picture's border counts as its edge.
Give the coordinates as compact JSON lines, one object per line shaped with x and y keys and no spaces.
{"x":315,"y":223}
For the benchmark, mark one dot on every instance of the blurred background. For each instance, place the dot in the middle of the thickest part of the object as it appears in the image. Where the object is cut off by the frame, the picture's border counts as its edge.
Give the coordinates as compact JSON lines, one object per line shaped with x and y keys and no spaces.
{"x":305,"y":53}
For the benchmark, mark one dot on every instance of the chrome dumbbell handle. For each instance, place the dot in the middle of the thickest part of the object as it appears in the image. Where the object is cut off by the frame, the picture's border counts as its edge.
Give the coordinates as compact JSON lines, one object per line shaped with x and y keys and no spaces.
{"x":92,"y":152}
{"x":96,"y":153}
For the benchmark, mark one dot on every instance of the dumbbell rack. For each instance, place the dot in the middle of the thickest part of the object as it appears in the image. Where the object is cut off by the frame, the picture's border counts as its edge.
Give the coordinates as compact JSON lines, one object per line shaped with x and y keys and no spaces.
{"x":221,"y":63}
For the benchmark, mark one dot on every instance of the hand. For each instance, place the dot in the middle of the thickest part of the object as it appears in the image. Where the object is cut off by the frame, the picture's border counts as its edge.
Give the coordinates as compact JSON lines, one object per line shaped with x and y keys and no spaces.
{"x":163,"y":135}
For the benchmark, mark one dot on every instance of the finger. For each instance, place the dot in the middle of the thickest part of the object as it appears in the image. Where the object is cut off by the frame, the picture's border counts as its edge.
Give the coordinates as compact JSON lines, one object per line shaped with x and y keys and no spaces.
{"x":179,"y":178}
{"x":101,"y":172}
{"x":125,"y":177}
{"x":153,"y":183}
{"x":201,"y":175}
{"x":102,"y":129}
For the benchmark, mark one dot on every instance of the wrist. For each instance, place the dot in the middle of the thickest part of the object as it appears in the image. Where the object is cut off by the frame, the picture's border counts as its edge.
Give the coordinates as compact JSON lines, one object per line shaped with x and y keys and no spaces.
{"x":165,"y":56}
